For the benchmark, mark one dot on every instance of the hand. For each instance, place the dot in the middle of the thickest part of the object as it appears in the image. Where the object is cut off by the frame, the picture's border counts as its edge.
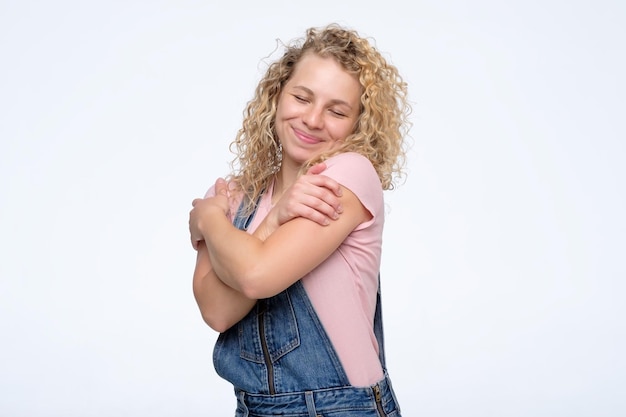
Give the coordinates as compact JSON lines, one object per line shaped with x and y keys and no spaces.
{"x":203,"y":206}
{"x":312,"y":196}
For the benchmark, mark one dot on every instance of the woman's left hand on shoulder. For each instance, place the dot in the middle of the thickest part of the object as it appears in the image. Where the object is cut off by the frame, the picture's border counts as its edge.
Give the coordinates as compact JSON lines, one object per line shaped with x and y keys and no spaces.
{"x":313,"y":196}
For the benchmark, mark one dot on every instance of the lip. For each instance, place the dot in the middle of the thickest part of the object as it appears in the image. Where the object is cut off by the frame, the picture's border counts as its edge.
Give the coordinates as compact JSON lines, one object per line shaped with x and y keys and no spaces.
{"x":308,"y":139}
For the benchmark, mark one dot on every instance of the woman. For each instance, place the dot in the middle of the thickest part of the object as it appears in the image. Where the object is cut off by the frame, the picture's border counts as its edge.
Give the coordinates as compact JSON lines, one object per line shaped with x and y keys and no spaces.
{"x":288,"y":259}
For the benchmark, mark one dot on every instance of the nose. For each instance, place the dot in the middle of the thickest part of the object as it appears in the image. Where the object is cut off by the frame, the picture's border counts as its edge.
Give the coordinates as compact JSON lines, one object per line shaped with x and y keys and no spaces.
{"x":313,"y":118}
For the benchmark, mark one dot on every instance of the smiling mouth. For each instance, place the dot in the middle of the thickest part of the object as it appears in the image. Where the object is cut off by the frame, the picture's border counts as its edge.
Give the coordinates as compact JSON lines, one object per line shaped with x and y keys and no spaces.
{"x":306,"y":138}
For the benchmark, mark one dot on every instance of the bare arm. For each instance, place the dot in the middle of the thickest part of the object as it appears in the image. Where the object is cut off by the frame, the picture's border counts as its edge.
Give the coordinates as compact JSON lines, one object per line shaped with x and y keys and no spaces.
{"x":313,"y":196}
{"x":260,"y":268}
{"x":220,"y":305}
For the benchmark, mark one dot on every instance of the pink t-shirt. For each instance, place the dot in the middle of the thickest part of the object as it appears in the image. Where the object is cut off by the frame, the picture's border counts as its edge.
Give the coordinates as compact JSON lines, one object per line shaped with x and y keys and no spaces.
{"x":343,"y":288}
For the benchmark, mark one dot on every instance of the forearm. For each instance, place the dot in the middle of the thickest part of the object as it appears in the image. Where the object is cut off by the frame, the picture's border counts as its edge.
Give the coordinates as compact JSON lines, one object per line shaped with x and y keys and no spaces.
{"x":262,"y":268}
{"x":268,"y":225}
{"x":220,"y":305}
{"x":231,"y":251}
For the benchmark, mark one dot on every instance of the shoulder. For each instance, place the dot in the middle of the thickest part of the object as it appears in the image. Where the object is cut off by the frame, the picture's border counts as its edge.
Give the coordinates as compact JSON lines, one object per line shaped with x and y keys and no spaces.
{"x":231,"y":186}
{"x":349,"y":158}
{"x":235,"y":197}
{"x":351,"y":165}
{"x":355,"y":172}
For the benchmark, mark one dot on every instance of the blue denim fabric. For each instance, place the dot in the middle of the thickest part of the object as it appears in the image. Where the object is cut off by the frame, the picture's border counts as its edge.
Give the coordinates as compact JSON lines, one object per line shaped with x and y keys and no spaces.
{"x":281,"y":362}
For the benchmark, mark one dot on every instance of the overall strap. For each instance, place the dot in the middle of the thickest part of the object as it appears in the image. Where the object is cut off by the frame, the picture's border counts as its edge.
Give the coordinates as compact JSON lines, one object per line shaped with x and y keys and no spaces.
{"x":378,"y":327}
{"x":241,"y":220}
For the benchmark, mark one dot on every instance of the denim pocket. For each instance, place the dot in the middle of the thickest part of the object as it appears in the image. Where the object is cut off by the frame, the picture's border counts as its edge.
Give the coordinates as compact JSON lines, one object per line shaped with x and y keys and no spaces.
{"x":270,"y":330}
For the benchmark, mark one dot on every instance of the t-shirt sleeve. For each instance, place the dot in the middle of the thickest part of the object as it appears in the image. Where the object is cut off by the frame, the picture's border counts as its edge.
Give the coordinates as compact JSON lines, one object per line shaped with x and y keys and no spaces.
{"x":356,"y":173}
{"x":234,"y":204}
{"x":210,"y":192}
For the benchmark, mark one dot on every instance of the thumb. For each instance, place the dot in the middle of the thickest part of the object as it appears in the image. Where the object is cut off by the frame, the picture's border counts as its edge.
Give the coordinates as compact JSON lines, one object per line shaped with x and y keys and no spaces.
{"x":317,"y":169}
{"x":221,"y":187}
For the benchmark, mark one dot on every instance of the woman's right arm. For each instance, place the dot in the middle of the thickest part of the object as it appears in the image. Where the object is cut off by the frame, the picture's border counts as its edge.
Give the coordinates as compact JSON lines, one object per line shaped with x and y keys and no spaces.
{"x":220,"y":305}
{"x":313,"y":196}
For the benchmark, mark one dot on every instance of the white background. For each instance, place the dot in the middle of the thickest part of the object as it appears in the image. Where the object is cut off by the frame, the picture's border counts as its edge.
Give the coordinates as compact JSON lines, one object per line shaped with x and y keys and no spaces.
{"x":503,"y":263}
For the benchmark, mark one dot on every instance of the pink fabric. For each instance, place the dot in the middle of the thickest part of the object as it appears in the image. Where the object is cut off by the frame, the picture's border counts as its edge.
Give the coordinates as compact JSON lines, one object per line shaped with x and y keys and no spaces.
{"x":343,"y":288}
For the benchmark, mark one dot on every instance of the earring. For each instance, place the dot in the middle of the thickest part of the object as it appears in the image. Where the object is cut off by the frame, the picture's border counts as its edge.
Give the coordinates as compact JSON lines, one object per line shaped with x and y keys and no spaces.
{"x":278,"y":156}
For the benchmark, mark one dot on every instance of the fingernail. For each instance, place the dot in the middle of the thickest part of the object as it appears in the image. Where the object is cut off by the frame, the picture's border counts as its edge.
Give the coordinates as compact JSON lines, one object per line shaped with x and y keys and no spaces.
{"x":339,"y":208}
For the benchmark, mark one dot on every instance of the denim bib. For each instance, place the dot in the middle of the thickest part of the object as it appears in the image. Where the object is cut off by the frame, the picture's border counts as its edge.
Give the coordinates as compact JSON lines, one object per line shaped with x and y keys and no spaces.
{"x":281,"y":361}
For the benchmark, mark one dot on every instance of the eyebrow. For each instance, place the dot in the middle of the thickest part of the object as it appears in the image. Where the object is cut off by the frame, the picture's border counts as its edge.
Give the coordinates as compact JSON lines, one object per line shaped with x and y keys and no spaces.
{"x":333,"y":101}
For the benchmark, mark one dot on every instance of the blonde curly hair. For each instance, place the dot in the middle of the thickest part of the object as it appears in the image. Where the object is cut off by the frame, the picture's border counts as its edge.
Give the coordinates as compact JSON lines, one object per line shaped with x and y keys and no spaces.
{"x":379,"y":133}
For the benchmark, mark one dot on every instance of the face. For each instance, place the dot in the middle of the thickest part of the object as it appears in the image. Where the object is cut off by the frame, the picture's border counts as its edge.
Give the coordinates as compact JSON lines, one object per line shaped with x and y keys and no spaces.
{"x":317,"y":108}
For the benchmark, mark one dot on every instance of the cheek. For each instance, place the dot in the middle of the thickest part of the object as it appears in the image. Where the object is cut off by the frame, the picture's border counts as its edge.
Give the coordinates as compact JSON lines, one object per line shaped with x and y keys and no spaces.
{"x":279,"y":112}
{"x":342,"y":130}
{"x":284,"y":113}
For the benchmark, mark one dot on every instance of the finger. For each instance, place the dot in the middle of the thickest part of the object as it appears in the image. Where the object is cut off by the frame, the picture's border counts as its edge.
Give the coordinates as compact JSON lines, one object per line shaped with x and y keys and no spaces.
{"x":326,"y":196}
{"x":221,"y":187}
{"x":333,"y":185}
{"x":325,"y":207}
{"x":315,"y":216}
{"x":316,"y":169}
{"x":326,"y":182}
{"x":195,"y":201}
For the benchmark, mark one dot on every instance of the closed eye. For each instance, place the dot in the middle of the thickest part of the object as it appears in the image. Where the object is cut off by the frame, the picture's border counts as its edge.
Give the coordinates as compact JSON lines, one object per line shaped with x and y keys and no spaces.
{"x":300,"y":98}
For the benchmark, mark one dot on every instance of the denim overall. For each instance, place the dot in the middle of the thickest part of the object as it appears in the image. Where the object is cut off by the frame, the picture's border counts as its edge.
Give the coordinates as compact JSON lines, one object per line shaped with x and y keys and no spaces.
{"x":282,"y":363}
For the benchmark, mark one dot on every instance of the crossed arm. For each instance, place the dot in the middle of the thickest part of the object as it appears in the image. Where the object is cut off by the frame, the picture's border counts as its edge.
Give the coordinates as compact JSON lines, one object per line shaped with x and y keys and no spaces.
{"x":220,"y":305}
{"x":234,"y":268}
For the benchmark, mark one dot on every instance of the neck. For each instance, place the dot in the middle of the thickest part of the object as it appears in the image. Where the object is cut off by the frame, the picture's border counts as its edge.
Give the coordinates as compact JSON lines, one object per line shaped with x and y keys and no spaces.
{"x":285,"y":177}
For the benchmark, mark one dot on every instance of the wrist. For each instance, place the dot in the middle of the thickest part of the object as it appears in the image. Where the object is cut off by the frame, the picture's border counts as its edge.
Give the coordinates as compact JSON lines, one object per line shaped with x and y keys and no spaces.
{"x":211,"y":218}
